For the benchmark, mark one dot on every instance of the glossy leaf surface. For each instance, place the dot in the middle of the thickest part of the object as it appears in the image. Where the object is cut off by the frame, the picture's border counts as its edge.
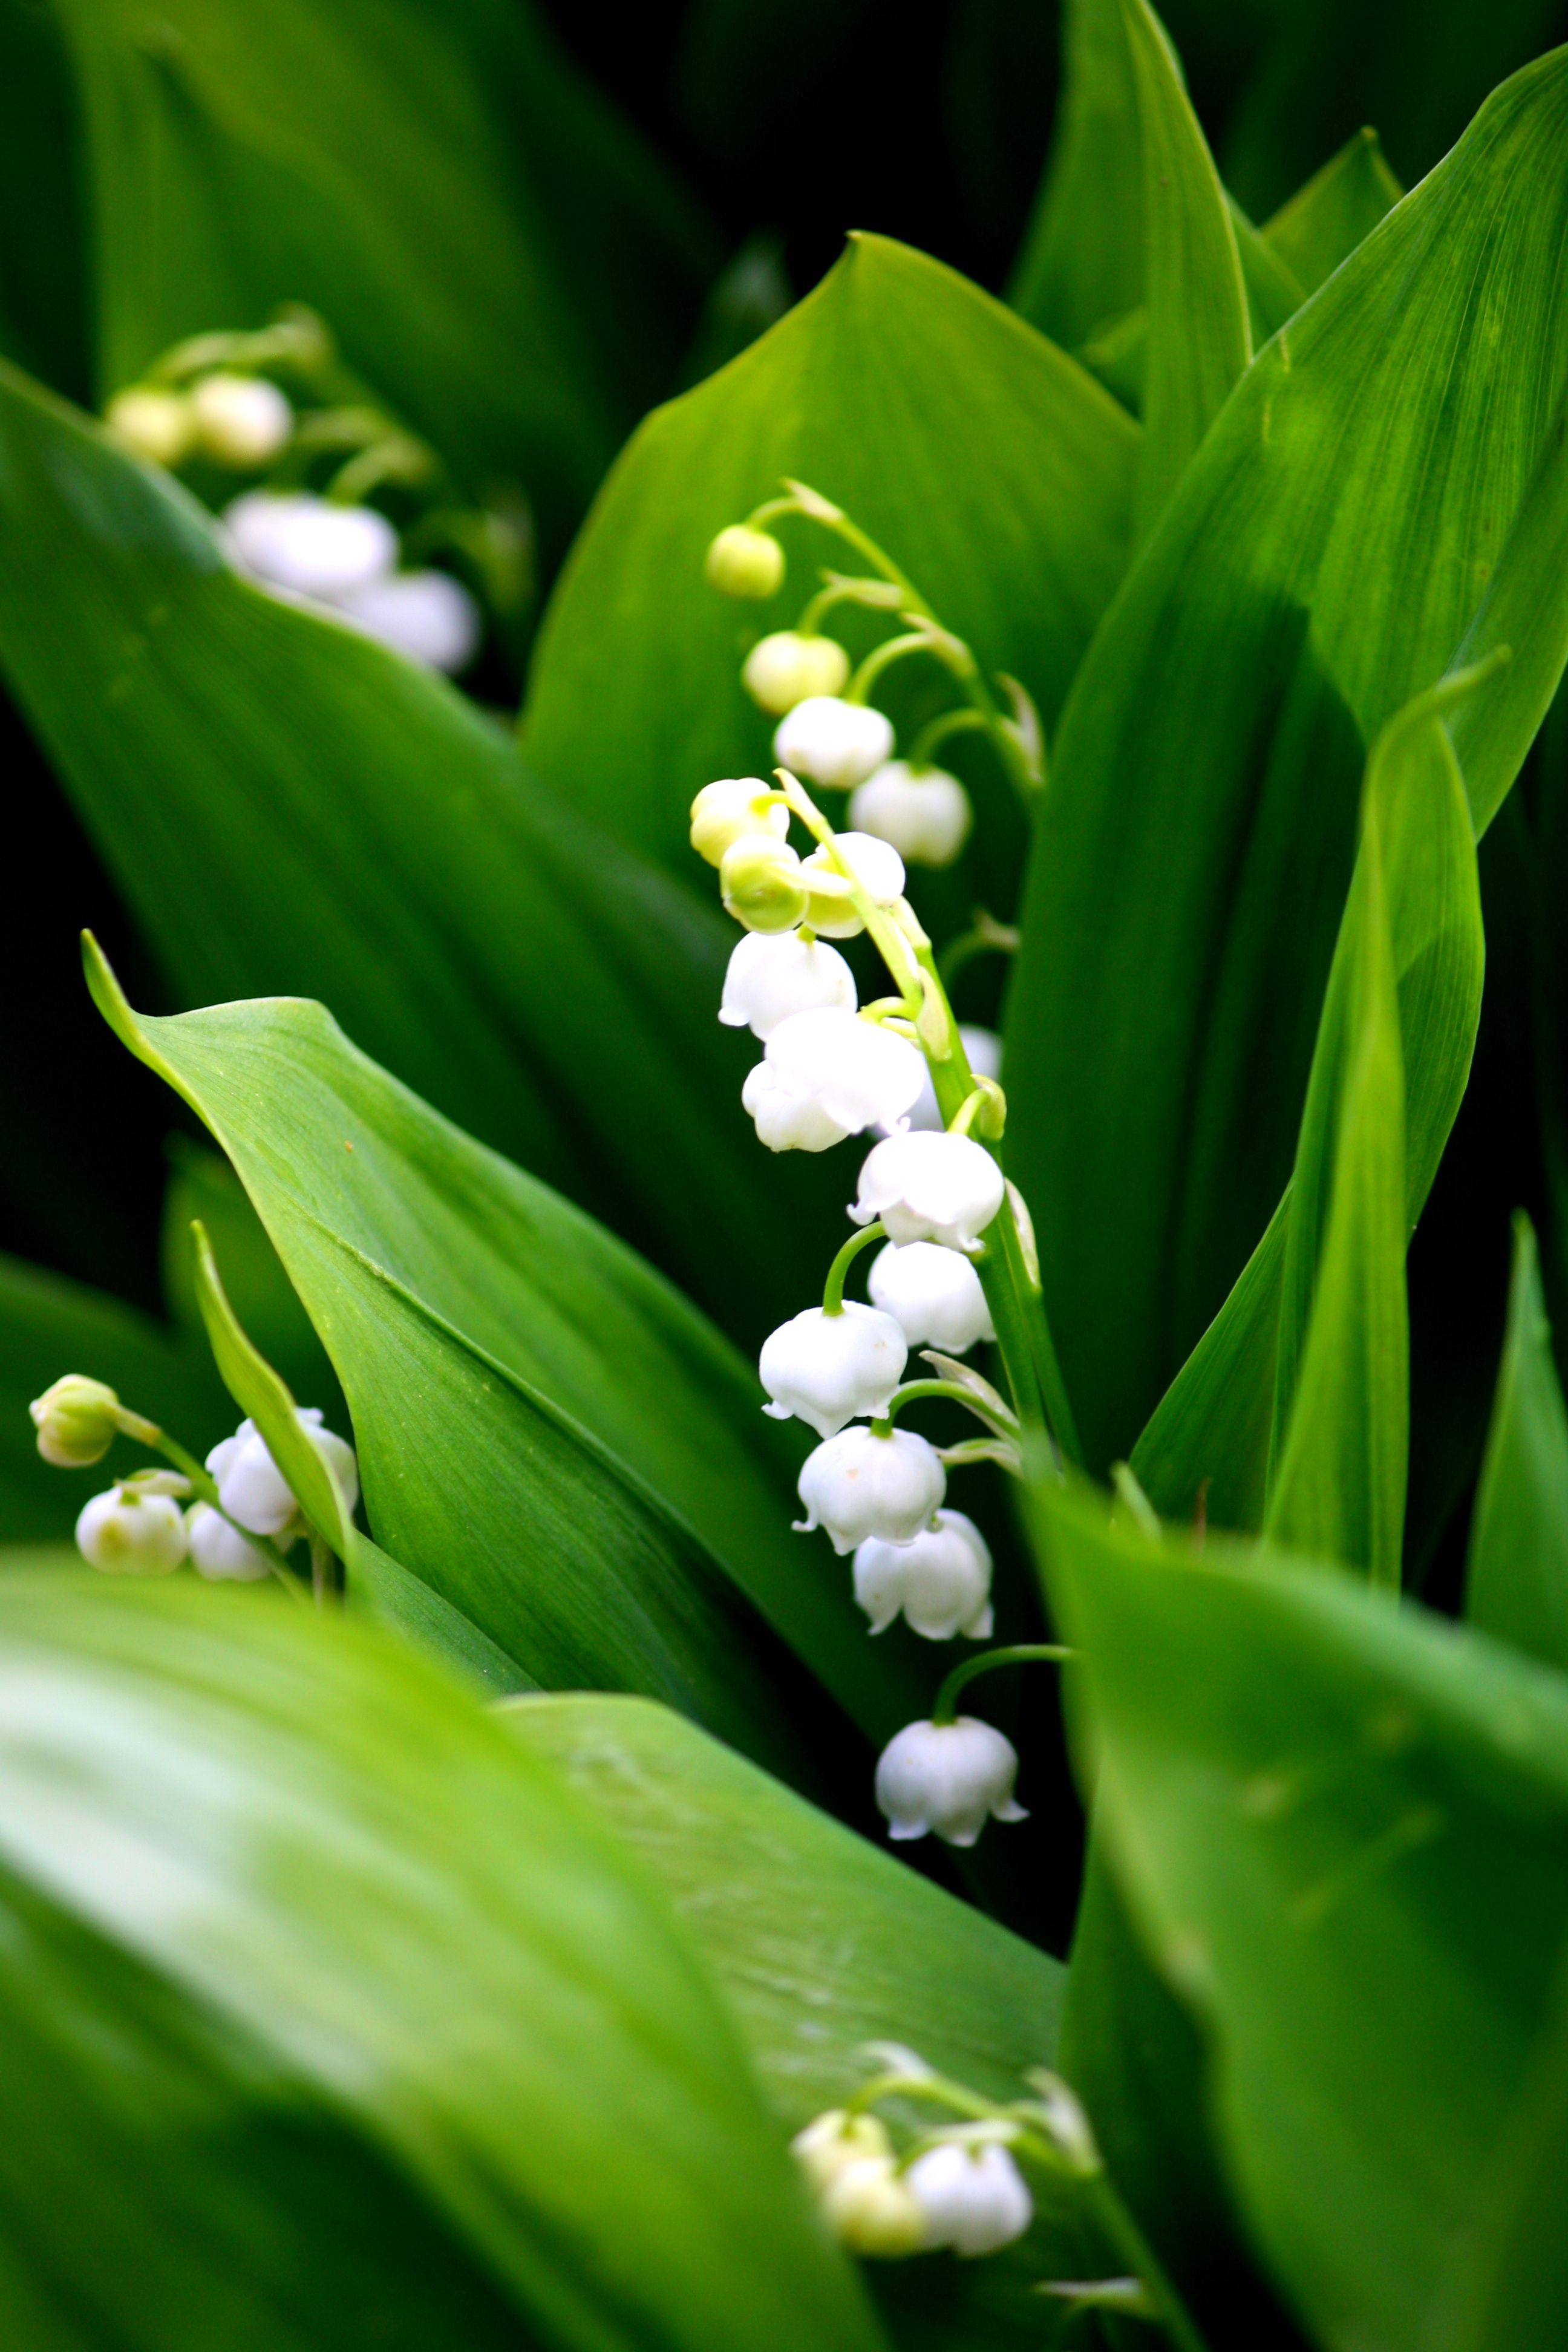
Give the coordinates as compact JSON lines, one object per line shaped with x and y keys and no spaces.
{"x":1517,"y":1581}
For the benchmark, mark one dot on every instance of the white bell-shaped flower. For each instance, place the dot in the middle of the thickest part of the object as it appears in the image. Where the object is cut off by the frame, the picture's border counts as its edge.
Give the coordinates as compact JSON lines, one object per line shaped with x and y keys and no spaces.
{"x":253,"y":1490}
{"x":219,"y":1551}
{"x":973,"y":2196}
{"x":983,"y":1049}
{"x":942,"y":1581}
{"x":310,"y":544}
{"x":742,"y":561}
{"x":933,"y":1294}
{"x":947,"y":1777}
{"x":786,"y":1121}
{"x":923,"y":812}
{"x":878,"y":868}
{"x":833,"y":742}
{"x":771,"y":975}
{"x":870,"y":2207}
{"x":832,"y":1369}
{"x":240,"y":420}
{"x":858,"y":1485}
{"x":153,"y":424}
{"x":788,"y":668}
{"x":727,"y":810}
{"x":130,"y":1532}
{"x":857,"y":1071}
{"x":931,"y":1188}
{"x":427,"y":615}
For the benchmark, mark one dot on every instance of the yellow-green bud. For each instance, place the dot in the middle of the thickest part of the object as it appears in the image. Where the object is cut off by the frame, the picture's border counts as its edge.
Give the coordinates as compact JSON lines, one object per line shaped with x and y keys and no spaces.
{"x":833,"y":2140}
{"x":745,"y":562}
{"x":76,"y":1421}
{"x":760,"y":881}
{"x":786,"y":669}
{"x":722,"y":812}
{"x":242,"y":420}
{"x":871,"y":2208}
{"x":161,"y":426}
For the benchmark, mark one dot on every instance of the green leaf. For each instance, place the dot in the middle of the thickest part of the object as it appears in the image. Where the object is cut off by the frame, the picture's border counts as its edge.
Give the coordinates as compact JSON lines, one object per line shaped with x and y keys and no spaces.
{"x":1517,"y":1578}
{"x":1082,"y":260}
{"x":44,"y":322}
{"x":501,"y":257}
{"x":549,"y":1435}
{"x":1323,"y":224}
{"x":999,"y":475}
{"x":292,"y":809}
{"x":821,"y":1945}
{"x":1384,"y":499}
{"x":329,"y":1989}
{"x":1273,"y":293}
{"x":1322,"y":1806}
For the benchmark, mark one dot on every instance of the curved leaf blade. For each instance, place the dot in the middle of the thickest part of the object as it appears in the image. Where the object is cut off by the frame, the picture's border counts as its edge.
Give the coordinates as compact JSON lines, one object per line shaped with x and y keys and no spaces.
{"x":1517,"y":1573}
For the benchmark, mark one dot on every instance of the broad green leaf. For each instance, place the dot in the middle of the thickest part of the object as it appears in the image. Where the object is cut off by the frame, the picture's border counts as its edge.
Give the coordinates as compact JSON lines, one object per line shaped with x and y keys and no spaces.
{"x":1517,"y":1579}
{"x":1273,"y":293}
{"x":1340,"y":1826}
{"x":1082,"y":260}
{"x":1323,"y":224}
{"x":997,"y":474}
{"x":289,"y":808}
{"x":821,"y":1945}
{"x":549,"y":1435}
{"x":1383,"y":497}
{"x":286,"y":1908}
{"x":494,"y":249}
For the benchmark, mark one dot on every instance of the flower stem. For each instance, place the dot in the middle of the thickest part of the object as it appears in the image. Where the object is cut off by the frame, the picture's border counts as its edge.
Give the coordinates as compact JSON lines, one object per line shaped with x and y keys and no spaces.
{"x":833,"y":1288}
{"x":912,"y":1391}
{"x":951,"y":722}
{"x":1021,"y":1654}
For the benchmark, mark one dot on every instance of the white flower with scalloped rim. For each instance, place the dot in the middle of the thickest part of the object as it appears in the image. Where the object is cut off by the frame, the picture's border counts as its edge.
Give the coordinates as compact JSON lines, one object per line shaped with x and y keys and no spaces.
{"x":973,"y":2196}
{"x":923,"y":812}
{"x":786,"y":1121}
{"x":854,"y":1071}
{"x":311,"y":545}
{"x":983,"y":1048}
{"x":125,"y":1533}
{"x":933,"y":1294}
{"x":858,"y":1485}
{"x":947,"y":1777}
{"x":931,"y":1188}
{"x":218,"y":1552}
{"x":828,"y":1369}
{"x":774,"y":974}
{"x":253,"y":1490}
{"x":833,"y":742}
{"x":788,"y":668}
{"x":942,"y":1581}
{"x":240,"y":420}
{"x":427,"y":615}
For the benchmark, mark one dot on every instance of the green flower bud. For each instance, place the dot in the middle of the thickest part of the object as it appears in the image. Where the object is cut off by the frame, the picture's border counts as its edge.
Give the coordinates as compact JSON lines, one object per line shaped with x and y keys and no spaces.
{"x":785,"y":668}
{"x":76,"y":1421}
{"x":161,"y":426}
{"x":870,"y":2208}
{"x":837,"y":2138}
{"x":745,"y":562}
{"x":760,"y":880}
{"x":722,"y":812}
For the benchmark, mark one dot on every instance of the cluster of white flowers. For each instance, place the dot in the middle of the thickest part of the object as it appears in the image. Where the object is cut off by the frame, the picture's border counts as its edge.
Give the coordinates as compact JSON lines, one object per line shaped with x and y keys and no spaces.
{"x":345,"y":557}
{"x":236,"y":421}
{"x":962,"y":2191}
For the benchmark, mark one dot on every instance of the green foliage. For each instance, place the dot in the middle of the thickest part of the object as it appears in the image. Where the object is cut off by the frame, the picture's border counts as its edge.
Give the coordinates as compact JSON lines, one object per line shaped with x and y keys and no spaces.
{"x":1517,"y":1577}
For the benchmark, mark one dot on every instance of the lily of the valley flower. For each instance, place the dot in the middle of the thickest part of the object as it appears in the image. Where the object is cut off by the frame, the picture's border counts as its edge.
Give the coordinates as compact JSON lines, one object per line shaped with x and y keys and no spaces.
{"x":254,"y":1491}
{"x":877,"y":867}
{"x":942,"y":1581}
{"x":219,"y":1551}
{"x":835,"y":2140}
{"x":760,"y":883}
{"x":240,"y":420}
{"x":923,"y":812}
{"x":75,"y":1421}
{"x":929,"y":1188}
{"x":726,"y":811}
{"x":933,"y":1294}
{"x":827,"y":1370}
{"x":788,"y":668}
{"x":870,"y":2208}
{"x":745,"y":562}
{"x":311,"y":545}
{"x":772,"y":975}
{"x":861,"y":1484}
{"x":132,"y":1531}
{"x":835,"y":743}
{"x":427,"y":615}
{"x":155,"y":424}
{"x":971,"y":2194}
{"x":983,"y":1048}
{"x":946,"y":1777}
{"x":857,"y":1072}
{"x":786,"y":1121}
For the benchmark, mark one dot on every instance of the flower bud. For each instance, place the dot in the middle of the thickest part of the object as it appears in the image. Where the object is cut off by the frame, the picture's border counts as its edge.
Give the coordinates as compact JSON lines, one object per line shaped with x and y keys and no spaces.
{"x":788,"y":668}
{"x":933,"y":1294}
{"x":308,"y":545}
{"x":972,"y":2195}
{"x":155,"y":424}
{"x":132,"y":1531}
{"x":75,"y":1421}
{"x":253,"y":1490}
{"x":829,"y":1368}
{"x":858,"y":1485}
{"x":858,"y":1071}
{"x":219,"y":1551}
{"x":723,"y":811}
{"x":935,"y":1188}
{"x":942,"y":1581}
{"x":427,"y":615}
{"x":745,"y":562}
{"x":240,"y":420}
{"x":923,"y":812}
{"x":759,"y":881}
{"x":770,"y":977}
{"x":870,"y":2208}
{"x":837,"y":2138}
{"x":983,"y":1049}
{"x":947,"y":1777}
{"x":835,"y":743}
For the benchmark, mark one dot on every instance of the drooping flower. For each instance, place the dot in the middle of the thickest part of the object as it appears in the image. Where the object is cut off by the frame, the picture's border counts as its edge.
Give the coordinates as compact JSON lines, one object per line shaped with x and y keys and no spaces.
{"x":923,"y":812}
{"x":771,"y":975}
{"x":858,"y":1072}
{"x":727,"y":810}
{"x":947,"y":1777}
{"x":942,"y":1581}
{"x":788,"y":668}
{"x":870,"y":2208}
{"x":311,"y":545}
{"x":828,"y":1369}
{"x":132,"y":1531}
{"x":786,"y":1121}
{"x":861,"y":1484}
{"x":218,"y":1552}
{"x":933,"y":1294}
{"x":427,"y":615}
{"x":75,"y":1421}
{"x":833,"y":742}
{"x":931,"y":1188}
{"x":760,"y":883}
{"x":253,"y":1490}
{"x":240,"y":420}
{"x":971,"y":2194}
{"x":877,"y":867}
{"x":835,"y":2138}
